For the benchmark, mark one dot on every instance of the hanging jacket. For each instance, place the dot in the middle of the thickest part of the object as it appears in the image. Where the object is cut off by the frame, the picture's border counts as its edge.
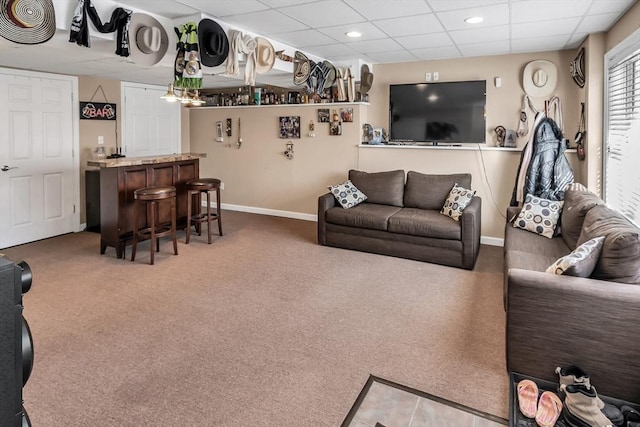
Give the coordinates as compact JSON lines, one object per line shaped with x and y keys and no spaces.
{"x":547,"y":172}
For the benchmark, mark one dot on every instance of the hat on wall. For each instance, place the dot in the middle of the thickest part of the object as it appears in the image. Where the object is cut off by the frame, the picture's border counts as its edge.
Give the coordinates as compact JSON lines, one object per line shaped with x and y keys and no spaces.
{"x":331,"y":75}
{"x":148,"y":39}
{"x":265,"y":55}
{"x":27,"y":21}
{"x":539,"y":78}
{"x":213,"y":43}
{"x":576,"y":67}
{"x":301,"y":68}
{"x":366,"y":79}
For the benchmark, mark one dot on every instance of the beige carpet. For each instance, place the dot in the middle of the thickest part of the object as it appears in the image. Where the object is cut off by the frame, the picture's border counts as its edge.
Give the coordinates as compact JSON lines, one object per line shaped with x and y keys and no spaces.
{"x":262,"y":328}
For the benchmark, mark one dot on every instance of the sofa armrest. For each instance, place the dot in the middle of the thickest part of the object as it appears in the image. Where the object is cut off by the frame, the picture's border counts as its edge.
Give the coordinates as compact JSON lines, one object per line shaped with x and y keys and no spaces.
{"x":325,"y":202}
{"x":562,"y":320}
{"x":512,"y":212}
{"x":470,"y":232}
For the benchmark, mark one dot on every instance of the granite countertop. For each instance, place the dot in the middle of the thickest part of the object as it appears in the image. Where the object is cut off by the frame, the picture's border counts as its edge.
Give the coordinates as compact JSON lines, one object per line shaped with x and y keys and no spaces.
{"x":133,"y":161}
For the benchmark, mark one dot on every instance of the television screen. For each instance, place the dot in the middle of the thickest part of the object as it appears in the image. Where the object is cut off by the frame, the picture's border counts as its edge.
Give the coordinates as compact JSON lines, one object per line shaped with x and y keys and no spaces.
{"x":447,"y":112}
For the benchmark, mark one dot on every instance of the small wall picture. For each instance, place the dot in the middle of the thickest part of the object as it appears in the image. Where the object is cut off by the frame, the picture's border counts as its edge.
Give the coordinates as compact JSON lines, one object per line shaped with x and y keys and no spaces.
{"x":323,"y":115}
{"x":346,"y":114}
{"x":290,"y":127}
{"x":335,"y":128}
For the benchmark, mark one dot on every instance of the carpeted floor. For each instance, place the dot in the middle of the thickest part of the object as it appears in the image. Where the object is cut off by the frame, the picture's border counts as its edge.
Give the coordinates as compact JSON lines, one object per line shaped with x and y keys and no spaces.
{"x":262,"y":328}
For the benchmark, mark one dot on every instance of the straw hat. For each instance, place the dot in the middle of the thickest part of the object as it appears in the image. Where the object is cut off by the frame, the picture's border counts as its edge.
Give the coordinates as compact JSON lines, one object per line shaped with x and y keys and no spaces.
{"x":366,"y":79}
{"x":539,"y":78}
{"x":148,"y":39}
{"x":265,"y":55}
{"x":213,"y":43}
{"x":27,"y":21}
{"x":301,"y":68}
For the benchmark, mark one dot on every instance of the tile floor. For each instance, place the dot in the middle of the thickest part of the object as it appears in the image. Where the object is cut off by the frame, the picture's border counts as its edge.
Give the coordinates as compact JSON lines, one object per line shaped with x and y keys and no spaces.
{"x":385,"y":405}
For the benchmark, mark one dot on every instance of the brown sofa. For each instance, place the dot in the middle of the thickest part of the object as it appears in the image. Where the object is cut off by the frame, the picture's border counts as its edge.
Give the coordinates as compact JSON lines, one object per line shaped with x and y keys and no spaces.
{"x":557,"y":320}
{"x":403,"y":220}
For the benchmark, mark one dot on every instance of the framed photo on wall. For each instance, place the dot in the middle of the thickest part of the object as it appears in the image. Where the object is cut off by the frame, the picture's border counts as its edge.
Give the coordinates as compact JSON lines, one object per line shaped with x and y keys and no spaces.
{"x":323,"y":115}
{"x":289,"y":127}
{"x":335,"y":128}
{"x":346,"y":114}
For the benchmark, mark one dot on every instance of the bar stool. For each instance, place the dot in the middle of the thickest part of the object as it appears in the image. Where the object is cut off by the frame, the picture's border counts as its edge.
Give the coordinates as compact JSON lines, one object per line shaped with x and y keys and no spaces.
{"x":151,"y":196}
{"x":195,"y":188}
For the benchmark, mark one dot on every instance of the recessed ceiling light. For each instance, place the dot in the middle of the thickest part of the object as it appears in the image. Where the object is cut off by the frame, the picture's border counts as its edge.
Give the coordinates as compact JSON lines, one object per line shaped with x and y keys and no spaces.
{"x":474,"y":20}
{"x":353,"y":34}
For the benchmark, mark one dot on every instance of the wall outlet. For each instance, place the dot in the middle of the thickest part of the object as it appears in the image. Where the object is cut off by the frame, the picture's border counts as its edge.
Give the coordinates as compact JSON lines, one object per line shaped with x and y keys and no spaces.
{"x":427,"y":77}
{"x":436,"y":76}
{"x":100,"y":140}
{"x":222,"y":185}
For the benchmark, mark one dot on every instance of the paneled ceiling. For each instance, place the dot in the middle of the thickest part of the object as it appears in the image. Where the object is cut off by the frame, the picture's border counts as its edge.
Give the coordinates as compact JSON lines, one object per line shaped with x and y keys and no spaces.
{"x":392,"y":31}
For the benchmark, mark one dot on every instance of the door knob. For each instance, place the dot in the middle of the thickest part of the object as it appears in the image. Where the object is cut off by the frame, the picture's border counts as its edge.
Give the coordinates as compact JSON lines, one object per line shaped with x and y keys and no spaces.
{"x":5,"y":168}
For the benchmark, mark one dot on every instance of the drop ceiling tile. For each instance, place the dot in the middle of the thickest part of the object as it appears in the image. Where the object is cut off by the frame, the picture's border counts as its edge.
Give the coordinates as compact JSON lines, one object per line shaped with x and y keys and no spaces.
{"x":383,"y":9}
{"x":305,"y":38}
{"x":410,"y":26}
{"x":327,"y":51}
{"x":166,"y":8}
{"x":442,"y":5}
{"x":265,"y":22}
{"x":371,"y":46}
{"x":221,"y":8}
{"x":539,"y":44}
{"x":609,"y":6}
{"x":480,"y":35}
{"x":481,"y":49}
{"x":442,"y":52}
{"x":493,"y":16}
{"x":423,"y":41}
{"x":285,"y":3}
{"x":597,"y":23}
{"x":394,"y":56}
{"x":576,"y":39}
{"x":541,"y":10}
{"x":368,"y":31}
{"x":323,"y":13}
{"x":525,"y":30}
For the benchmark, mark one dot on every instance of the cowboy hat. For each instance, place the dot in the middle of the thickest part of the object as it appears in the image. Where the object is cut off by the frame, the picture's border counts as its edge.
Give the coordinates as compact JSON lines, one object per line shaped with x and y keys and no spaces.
{"x":148,"y":39}
{"x":27,"y":21}
{"x":213,"y":42}
{"x":577,"y":68}
{"x":539,"y":78}
{"x":366,"y":79}
{"x":265,"y":55}
{"x":301,"y":69}
{"x":331,"y":75}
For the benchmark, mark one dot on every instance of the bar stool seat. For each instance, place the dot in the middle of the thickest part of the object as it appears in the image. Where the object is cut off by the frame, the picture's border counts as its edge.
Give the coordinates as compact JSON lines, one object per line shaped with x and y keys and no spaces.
{"x":151,"y":196}
{"x":195,"y":188}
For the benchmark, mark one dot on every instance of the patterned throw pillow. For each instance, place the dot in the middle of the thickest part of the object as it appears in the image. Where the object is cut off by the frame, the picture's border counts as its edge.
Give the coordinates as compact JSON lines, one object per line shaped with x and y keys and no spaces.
{"x":581,"y":262}
{"x":458,"y":199}
{"x":347,"y":194}
{"x":539,"y":215}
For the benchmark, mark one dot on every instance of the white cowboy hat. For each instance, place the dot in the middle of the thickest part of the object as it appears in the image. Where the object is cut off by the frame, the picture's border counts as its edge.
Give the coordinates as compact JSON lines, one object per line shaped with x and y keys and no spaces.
{"x":539,"y":78}
{"x":265,"y":55}
{"x":148,"y":39}
{"x":27,"y":22}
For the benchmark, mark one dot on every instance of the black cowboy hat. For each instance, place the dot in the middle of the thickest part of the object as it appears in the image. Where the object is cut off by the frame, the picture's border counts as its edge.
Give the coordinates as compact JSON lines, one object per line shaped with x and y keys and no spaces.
{"x":213,"y":43}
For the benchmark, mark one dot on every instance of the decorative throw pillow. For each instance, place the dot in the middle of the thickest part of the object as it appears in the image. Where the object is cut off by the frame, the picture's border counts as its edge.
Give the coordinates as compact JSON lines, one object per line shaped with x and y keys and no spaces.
{"x":581,"y":262}
{"x":458,"y":199}
{"x":347,"y":194}
{"x":539,"y":215}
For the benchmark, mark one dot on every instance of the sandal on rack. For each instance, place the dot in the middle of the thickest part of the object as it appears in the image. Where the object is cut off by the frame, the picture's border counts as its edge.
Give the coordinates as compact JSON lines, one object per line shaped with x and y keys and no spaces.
{"x":549,"y":409}
{"x":528,"y":398}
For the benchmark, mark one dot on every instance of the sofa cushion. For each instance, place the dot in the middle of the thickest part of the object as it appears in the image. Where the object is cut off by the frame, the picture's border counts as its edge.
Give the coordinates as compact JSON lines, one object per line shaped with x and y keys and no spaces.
{"x":581,"y":262}
{"x":577,"y":202}
{"x":425,"y":223}
{"x":347,"y":194}
{"x":365,"y":215}
{"x":458,"y":199}
{"x":620,"y":257}
{"x":516,"y":239}
{"x":428,"y":191}
{"x":384,"y":188}
{"x":539,"y":215}
{"x":527,"y":261}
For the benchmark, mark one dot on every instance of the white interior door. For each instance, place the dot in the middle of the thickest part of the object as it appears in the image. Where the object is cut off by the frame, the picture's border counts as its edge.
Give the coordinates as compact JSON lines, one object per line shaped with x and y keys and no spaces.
{"x":151,"y":125}
{"x":38,"y":173}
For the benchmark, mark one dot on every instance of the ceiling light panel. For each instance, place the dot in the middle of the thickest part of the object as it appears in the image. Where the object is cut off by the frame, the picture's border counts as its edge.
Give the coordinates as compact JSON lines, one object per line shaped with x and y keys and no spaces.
{"x":373,"y":10}
{"x":410,"y":26}
{"x":323,"y":13}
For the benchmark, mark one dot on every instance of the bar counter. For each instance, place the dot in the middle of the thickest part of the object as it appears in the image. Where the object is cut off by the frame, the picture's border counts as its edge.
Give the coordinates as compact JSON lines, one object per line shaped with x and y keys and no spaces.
{"x":120,"y":177}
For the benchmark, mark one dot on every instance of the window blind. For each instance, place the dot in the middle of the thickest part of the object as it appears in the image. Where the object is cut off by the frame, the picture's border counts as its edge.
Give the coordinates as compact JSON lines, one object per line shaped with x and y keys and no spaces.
{"x":622,"y":137}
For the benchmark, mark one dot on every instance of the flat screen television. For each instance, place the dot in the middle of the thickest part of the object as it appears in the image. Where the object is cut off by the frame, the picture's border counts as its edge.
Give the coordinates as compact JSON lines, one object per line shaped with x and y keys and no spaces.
{"x":443,"y":112}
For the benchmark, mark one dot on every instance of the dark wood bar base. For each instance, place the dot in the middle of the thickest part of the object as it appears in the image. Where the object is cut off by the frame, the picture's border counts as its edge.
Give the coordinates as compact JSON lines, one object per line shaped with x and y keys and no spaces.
{"x":117,"y":185}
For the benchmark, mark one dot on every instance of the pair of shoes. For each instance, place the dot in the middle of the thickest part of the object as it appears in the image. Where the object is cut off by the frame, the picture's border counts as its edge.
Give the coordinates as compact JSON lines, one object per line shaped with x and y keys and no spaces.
{"x":631,"y":416}
{"x":583,"y":407}
{"x":545,"y":410}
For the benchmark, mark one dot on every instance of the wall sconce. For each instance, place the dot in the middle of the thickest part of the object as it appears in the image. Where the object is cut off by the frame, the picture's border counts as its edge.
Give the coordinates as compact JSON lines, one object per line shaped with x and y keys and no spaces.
{"x":185,"y":96}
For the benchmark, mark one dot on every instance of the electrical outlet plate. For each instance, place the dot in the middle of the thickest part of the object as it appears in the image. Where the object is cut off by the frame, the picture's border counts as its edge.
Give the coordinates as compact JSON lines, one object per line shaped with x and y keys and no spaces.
{"x":427,"y":77}
{"x":436,"y":76}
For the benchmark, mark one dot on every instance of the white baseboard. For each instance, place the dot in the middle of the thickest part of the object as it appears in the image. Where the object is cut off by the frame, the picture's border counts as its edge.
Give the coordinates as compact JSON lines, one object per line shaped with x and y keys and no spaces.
{"x":485,"y":240}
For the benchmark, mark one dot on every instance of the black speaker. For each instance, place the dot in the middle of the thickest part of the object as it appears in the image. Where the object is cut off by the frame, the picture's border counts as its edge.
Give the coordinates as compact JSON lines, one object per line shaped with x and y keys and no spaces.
{"x":16,"y":343}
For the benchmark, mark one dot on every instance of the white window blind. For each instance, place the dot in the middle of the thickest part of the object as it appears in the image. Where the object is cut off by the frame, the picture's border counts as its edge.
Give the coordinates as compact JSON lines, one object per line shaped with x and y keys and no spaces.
{"x":622,"y":133}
